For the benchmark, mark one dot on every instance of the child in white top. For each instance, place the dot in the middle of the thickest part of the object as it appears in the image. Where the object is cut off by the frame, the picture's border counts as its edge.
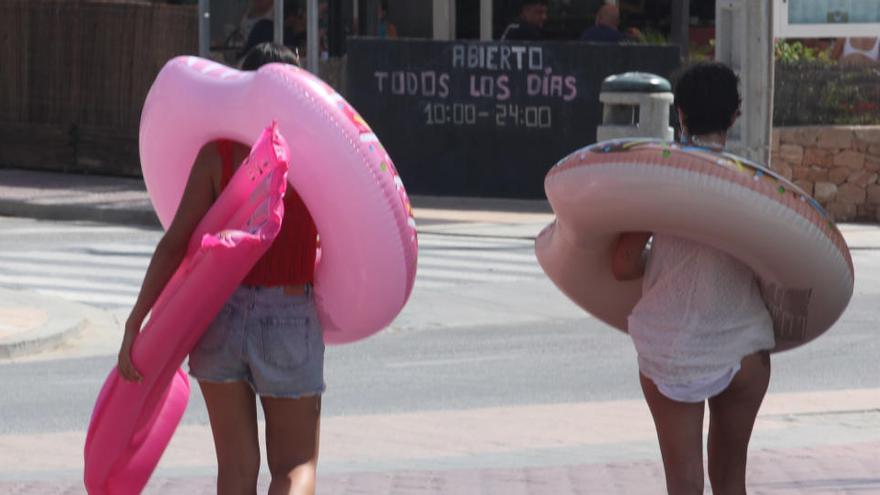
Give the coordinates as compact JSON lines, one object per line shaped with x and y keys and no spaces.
{"x":700,"y":313}
{"x":701,"y":329}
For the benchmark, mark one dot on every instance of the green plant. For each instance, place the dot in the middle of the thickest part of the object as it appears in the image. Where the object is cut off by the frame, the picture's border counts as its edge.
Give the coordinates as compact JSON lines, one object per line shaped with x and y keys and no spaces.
{"x":700,"y":53}
{"x":654,"y":37}
{"x":795,"y":51}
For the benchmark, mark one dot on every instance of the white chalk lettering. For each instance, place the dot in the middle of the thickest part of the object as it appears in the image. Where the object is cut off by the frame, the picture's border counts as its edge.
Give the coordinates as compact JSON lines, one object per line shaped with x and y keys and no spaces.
{"x":458,"y":56}
{"x":497,"y":57}
{"x":380,"y":79}
{"x":412,"y":83}
{"x":505,"y":57}
{"x":444,"y":86}
{"x":503,"y":88}
{"x":429,"y":83}
{"x":571,"y":86}
{"x":398,"y":83}
{"x":491,"y":53}
{"x":518,"y":51}
{"x":533,"y":84}
{"x":536,"y":58}
{"x":474,"y":56}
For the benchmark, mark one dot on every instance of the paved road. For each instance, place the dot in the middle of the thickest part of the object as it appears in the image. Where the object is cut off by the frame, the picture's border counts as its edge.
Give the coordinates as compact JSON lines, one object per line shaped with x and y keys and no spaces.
{"x":565,"y":359}
{"x":486,"y":344}
{"x":104,"y":265}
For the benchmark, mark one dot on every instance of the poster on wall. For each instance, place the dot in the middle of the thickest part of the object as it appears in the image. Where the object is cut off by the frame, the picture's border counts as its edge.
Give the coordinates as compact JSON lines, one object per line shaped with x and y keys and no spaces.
{"x":826,"y":18}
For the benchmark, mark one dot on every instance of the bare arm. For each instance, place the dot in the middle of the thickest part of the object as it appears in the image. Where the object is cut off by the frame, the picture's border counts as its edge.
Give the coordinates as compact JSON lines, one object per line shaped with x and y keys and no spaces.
{"x":198,"y":196}
{"x":628,"y":259}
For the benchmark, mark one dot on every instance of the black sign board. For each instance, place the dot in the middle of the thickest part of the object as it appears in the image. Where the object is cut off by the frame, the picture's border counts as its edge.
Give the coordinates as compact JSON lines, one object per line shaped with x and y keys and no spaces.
{"x":487,"y":119}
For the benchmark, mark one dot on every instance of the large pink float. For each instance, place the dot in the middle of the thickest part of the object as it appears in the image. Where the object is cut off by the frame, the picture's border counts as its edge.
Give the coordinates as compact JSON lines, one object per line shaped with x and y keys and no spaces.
{"x":132,"y":423}
{"x":345,"y":177}
{"x":717,"y":199}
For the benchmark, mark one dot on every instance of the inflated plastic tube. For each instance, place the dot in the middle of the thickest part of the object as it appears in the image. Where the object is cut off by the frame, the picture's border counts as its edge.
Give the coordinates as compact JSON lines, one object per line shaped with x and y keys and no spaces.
{"x":132,"y":423}
{"x":718,"y":199}
{"x":368,"y":245}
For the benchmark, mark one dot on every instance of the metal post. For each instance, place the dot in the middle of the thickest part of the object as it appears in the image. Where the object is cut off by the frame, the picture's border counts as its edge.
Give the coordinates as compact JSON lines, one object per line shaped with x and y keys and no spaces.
{"x":278,"y":31}
{"x":369,"y":18}
{"x":355,"y":14}
{"x":453,"y":26}
{"x":335,"y":28}
{"x":312,"y":39}
{"x":486,"y":20}
{"x":444,"y":19}
{"x":745,"y":43}
{"x":204,"y":28}
{"x":681,"y":26}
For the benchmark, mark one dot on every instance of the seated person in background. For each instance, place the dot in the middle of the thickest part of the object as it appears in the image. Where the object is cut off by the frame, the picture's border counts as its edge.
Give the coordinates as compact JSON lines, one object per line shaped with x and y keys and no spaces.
{"x":857,"y":51}
{"x":530,"y":24}
{"x":607,"y":28}
{"x":386,"y":28}
{"x":257,"y":11}
{"x":294,"y":33}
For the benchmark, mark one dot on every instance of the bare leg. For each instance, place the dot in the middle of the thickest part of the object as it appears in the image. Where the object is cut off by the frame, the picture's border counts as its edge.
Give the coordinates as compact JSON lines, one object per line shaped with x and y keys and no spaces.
{"x":292,"y":436}
{"x":233,"y":412}
{"x":732,"y":416}
{"x":680,"y":432}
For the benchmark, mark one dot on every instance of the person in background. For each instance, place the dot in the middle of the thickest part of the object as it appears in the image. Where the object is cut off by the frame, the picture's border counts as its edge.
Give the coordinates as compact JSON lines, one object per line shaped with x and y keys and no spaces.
{"x":857,"y":51}
{"x":294,"y":32}
{"x":607,"y":28}
{"x":386,"y":28}
{"x":257,"y":11}
{"x":529,"y":25}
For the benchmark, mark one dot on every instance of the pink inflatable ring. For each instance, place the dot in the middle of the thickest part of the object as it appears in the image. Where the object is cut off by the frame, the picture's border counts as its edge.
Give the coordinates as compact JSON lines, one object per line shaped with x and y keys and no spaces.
{"x":717,"y":199}
{"x":132,"y":423}
{"x":368,"y":245}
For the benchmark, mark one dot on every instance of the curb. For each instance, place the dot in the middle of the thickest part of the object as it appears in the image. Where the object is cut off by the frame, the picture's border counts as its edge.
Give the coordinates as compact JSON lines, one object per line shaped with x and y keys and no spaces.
{"x":65,"y":212}
{"x":65,"y":320}
{"x":147,"y":217}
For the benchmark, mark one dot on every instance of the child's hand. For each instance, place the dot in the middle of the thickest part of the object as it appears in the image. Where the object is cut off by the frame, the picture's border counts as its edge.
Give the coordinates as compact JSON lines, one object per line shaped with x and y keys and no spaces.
{"x":124,"y":365}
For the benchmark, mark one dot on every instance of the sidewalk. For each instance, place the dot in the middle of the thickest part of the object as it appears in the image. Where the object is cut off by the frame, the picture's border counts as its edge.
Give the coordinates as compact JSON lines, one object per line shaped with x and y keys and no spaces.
{"x":58,"y":196}
{"x":31,"y":322}
{"x":804,"y":443}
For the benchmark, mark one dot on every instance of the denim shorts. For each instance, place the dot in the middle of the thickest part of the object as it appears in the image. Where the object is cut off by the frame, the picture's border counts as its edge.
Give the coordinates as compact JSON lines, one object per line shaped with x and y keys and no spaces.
{"x":269,"y":339}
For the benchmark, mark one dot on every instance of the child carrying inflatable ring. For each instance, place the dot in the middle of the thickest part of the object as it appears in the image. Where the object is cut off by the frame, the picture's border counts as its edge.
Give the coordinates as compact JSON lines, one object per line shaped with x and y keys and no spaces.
{"x":701,"y":328}
{"x":266,"y":341}
{"x":708,"y":261}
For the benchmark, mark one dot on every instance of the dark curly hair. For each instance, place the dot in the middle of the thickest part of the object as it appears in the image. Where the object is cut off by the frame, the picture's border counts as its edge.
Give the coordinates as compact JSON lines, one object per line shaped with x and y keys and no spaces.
{"x":267,"y":53}
{"x":707,"y":93}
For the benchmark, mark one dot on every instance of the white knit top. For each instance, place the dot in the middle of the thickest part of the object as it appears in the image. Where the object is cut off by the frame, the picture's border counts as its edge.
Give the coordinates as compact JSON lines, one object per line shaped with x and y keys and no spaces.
{"x":700,"y":313}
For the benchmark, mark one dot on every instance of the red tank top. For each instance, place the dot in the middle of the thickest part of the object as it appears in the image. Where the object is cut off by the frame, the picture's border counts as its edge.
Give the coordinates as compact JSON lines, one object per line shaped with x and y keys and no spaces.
{"x":291,"y":258}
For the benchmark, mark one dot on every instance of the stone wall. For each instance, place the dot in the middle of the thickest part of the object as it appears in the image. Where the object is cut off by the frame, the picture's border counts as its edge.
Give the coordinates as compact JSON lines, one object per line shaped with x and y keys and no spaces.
{"x":839,"y":166}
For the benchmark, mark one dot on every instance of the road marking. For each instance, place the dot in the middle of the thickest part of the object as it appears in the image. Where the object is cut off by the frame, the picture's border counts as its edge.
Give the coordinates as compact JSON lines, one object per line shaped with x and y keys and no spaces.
{"x":450,"y":361}
{"x":72,"y":257}
{"x":24,"y":267}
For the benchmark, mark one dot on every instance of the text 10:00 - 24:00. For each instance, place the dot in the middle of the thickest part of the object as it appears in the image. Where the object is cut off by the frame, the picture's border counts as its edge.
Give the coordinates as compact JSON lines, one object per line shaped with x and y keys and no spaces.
{"x":505,"y":115}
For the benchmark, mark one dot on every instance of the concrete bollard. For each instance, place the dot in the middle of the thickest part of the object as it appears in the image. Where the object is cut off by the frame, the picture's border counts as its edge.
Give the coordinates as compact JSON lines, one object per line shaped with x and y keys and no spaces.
{"x":635,"y":104}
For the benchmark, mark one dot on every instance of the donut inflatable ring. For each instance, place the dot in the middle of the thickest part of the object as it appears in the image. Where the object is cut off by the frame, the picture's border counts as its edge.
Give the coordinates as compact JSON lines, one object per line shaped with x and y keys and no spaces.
{"x":718,"y":199}
{"x":368,"y":244}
